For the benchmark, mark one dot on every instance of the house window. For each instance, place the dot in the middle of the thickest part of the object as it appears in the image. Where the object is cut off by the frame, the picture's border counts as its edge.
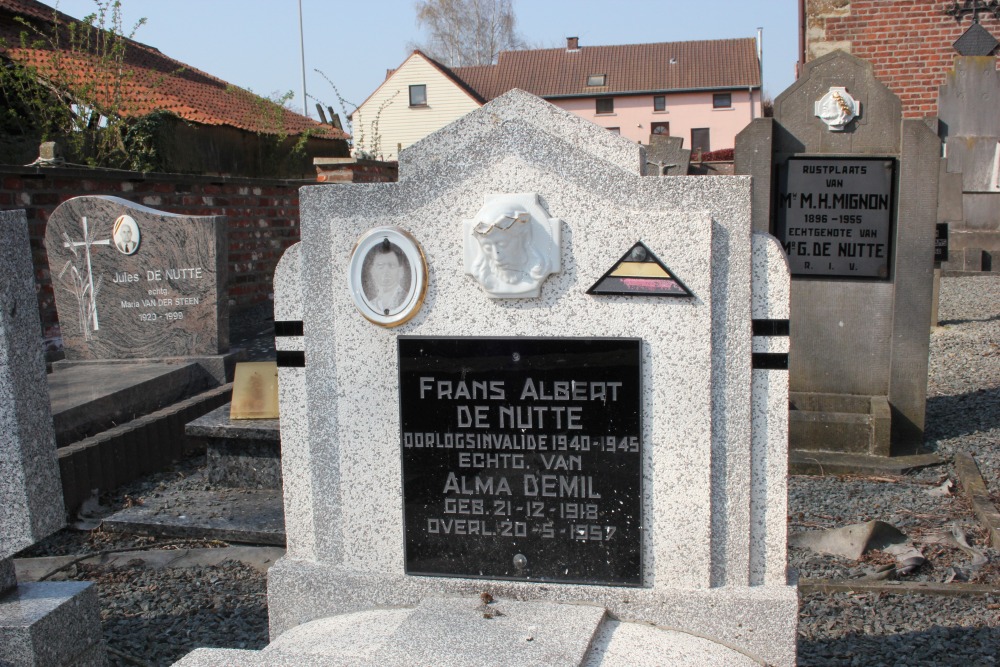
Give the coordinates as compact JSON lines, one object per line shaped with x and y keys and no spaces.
{"x":699,"y":139}
{"x":662,"y":129}
{"x":605,"y":105}
{"x":418,"y":96}
{"x":597,"y":80}
{"x":659,"y":103}
{"x":615,"y":130}
{"x":722,"y":101}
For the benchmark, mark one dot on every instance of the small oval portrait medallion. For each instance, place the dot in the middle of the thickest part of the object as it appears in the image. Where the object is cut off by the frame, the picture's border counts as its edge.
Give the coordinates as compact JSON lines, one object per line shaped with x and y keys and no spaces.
{"x":126,"y":235}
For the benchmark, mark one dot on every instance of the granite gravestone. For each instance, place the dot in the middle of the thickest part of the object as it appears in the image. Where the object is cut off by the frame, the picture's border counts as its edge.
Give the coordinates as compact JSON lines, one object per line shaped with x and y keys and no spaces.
{"x":582,"y":448}
{"x":134,"y":283}
{"x":52,"y":623}
{"x":850,"y":190}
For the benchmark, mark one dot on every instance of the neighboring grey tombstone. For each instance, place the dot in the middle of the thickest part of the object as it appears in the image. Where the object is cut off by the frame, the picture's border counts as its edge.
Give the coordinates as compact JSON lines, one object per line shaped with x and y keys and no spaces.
{"x":607,"y":443}
{"x":666,"y":156}
{"x":135,"y":283}
{"x":855,"y":210}
{"x":31,"y":505}
{"x":970,"y":126}
{"x":54,"y":623}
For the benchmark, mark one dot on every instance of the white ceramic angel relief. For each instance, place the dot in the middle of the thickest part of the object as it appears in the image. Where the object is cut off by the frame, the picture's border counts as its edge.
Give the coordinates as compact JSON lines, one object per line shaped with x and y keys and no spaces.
{"x":511,"y":246}
{"x":837,"y":108}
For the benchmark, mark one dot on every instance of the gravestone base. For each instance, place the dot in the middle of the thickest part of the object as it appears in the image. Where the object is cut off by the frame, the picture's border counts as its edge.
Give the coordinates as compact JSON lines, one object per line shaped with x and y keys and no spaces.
{"x":968,"y":261}
{"x":846,"y":434}
{"x":462,"y":629}
{"x":51,"y":624}
{"x":839,"y":423}
{"x":759,"y":619}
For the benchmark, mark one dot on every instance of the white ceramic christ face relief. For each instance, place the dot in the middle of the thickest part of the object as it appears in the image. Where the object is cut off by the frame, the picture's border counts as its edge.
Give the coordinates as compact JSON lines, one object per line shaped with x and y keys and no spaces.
{"x":511,"y":246}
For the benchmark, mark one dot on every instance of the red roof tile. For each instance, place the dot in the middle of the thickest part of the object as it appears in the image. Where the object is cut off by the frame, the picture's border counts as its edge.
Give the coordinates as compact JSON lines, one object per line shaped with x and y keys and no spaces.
{"x":630,"y":68}
{"x":157,"y":82}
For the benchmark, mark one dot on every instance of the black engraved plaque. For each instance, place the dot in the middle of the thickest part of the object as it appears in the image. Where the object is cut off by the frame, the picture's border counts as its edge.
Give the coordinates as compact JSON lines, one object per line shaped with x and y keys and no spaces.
{"x":834,"y":216}
{"x":522,"y":458}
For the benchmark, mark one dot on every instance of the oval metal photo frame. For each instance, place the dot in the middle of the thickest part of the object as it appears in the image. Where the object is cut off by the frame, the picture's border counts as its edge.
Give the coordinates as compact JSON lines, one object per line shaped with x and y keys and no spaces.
{"x":387,"y":276}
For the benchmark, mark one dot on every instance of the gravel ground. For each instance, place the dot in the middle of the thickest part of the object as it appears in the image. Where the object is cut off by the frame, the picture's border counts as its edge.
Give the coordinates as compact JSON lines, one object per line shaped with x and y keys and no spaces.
{"x":154,"y":617}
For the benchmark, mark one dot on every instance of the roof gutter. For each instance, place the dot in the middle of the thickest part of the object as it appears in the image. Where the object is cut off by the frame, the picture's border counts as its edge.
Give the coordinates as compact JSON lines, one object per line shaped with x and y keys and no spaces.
{"x":660,"y":91}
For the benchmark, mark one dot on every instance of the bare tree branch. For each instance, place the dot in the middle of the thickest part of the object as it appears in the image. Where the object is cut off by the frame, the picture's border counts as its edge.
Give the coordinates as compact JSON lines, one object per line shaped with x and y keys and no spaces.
{"x":468,"y":32}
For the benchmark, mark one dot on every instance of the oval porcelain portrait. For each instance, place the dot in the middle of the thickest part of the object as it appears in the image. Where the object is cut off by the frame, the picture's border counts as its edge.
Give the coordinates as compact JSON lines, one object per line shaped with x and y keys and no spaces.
{"x":387,"y":276}
{"x":125,"y":233}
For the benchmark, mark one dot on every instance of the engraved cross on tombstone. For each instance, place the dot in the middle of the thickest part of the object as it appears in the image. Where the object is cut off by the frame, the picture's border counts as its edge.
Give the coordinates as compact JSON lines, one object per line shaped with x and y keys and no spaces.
{"x":86,"y":294}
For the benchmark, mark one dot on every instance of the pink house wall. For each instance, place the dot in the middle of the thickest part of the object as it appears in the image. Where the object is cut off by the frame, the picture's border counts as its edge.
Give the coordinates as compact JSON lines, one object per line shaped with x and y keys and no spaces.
{"x":634,"y":113}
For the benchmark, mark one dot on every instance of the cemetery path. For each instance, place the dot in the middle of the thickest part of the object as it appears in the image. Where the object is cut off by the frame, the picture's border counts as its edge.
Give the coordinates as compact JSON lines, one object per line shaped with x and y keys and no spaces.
{"x":153,"y":614}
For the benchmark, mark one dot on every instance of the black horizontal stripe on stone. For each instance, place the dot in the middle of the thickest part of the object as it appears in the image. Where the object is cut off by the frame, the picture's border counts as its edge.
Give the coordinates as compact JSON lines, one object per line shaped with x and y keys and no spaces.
{"x":288,"y":328}
{"x":291,"y":359}
{"x":777,"y":361}
{"x":770,"y":327}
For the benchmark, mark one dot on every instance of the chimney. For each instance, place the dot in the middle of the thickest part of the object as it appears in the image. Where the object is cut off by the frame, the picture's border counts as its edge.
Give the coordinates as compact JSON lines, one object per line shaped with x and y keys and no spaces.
{"x":572,"y":43}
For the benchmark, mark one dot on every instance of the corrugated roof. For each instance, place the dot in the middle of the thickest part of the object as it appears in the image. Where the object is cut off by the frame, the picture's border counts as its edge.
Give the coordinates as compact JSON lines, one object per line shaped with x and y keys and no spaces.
{"x":660,"y":67}
{"x":157,"y":82}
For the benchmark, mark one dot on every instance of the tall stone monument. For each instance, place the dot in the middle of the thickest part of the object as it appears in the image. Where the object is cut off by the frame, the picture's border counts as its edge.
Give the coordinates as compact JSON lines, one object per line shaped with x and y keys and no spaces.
{"x":54,"y":623}
{"x":850,"y":190}
{"x":534,"y":408}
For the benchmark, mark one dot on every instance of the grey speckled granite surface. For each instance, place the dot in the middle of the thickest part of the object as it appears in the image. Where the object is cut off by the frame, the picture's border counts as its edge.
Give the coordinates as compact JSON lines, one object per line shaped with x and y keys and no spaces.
{"x":217,"y":424}
{"x":713,"y":493}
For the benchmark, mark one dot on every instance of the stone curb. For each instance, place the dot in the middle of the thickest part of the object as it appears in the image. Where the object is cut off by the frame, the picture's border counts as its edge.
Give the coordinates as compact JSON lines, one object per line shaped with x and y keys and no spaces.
{"x":808,"y":462}
{"x":260,"y":558}
{"x":827,"y":586}
{"x":146,"y":444}
{"x":979,"y":496}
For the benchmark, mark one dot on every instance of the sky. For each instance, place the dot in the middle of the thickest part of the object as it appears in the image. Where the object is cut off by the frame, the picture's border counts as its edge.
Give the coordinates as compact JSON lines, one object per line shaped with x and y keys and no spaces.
{"x":255,"y":44}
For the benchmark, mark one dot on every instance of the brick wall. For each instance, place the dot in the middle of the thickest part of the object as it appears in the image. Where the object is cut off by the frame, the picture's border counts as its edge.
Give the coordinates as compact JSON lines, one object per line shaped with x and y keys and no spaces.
{"x":908,"y":42}
{"x":263,"y":219}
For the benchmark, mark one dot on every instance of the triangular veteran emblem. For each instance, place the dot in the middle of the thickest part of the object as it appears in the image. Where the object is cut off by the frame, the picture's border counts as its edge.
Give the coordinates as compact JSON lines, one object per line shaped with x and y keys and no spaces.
{"x":639,"y":272}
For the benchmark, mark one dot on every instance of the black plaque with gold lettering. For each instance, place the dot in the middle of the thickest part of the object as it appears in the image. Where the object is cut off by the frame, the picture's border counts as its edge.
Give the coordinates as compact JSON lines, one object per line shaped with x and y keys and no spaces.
{"x":522,"y":458}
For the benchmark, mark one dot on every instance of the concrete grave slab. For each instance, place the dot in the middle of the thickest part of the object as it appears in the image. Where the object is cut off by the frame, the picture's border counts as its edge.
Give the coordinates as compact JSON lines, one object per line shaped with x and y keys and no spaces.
{"x":91,"y":398}
{"x":252,"y":516}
